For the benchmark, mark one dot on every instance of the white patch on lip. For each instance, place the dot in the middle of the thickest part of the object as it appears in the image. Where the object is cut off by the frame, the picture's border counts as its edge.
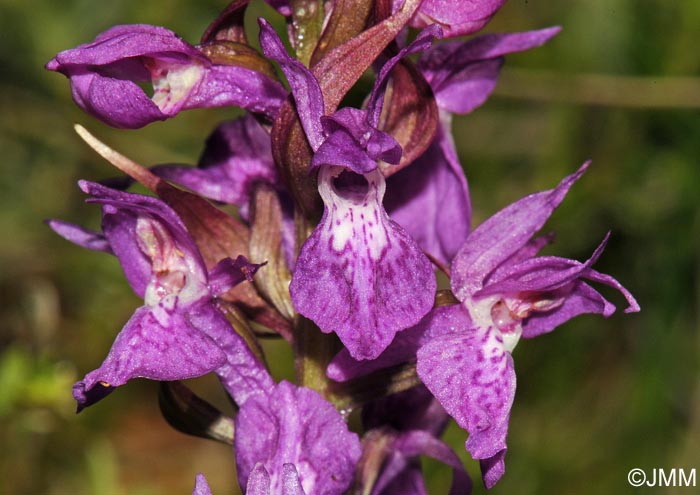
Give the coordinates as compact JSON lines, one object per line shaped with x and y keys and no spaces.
{"x":174,"y":276}
{"x":481,"y":312}
{"x":354,"y":217}
{"x":173,"y":82}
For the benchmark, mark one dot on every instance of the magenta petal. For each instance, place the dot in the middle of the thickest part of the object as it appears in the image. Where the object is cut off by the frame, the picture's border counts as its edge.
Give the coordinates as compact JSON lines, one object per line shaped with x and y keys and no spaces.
{"x":430,"y":199}
{"x":376,"y":99}
{"x":443,"y":320}
{"x":464,"y":73}
{"x":117,"y":102}
{"x":291,"y":485}
{"x":201,"y":487}
{"x":157,"y":346}
{"x":228,"y":273}
{"x":418,"y":442}
{"x":305,"y":88}
{"x":242,"y":374}
{"x":456,"y":18}
{"x":381,"y":281}
{"x":80,"y":236}
{"x":493,"y":469}
{"x":632,"y":307}
{"x":294,"y":425}
{"x":473,"y":377}
{"x":258,"y":481}
{"x":125,"y":41}
{"x":469,"y":88}
{"x":581,"y":299}
{"x":134,"y":222}
{"x":237,"y":156}
{"x":227,"y":85}
{"x":341,"y":149}
{"x":354,"y":143}
{"x":542,"y":274}
{"x":503,"y":235}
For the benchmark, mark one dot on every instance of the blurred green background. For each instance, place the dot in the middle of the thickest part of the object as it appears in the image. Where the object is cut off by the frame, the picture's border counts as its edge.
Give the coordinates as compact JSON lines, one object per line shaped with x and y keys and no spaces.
{"x":620,"y":85}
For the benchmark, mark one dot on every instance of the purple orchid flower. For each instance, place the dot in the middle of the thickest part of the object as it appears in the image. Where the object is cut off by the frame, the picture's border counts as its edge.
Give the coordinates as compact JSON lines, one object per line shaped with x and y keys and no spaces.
{"x":411,"y":423}
{"x":430,"y":198}
{"x":237,"y":155}
{"x":455,"y":18}
{"x":179,"y":333}
{"x":381,"y":281}
{"x":294,"y":426}
{"x":463,"y":352}
{"x":104,"y":76}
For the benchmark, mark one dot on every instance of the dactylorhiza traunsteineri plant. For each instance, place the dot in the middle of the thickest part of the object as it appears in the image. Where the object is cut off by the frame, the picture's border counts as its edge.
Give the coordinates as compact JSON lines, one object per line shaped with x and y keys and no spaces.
{"x":345,"y":215}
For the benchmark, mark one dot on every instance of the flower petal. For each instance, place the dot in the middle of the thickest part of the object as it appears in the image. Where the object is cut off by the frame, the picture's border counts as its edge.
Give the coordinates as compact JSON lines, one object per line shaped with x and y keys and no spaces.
{"x":228,"y":273}
{"x":201,"y":487}
{"x":242,"y":375}
{"x":117,"y":102}
{"x":540,"y":274}
{"x":456,"y":18}
{"x":419,"y":442}
{"x":581,"y":299}
{"x":305,"y":88}
{"x":503,"y":235}
{"x":473,"y":377}
{"x":381,"y":281}
{"x":237,"y":155}
{"x":80,"y":236}
{"x":294,"y":425}
{"x":229,"y":85}
{"x":464,"y":73}
{"x":430,"y":199}
{"x":155,"y":347}
{"x":258,"y":481}
{"x":123,"y":42}
{"x":443,"y":320}
{"x":143,"y":231}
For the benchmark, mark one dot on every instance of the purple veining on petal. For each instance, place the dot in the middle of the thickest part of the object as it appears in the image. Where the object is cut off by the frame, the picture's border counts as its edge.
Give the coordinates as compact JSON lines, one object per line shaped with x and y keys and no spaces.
{"x":294,"y":425}
{"x":382,"y":282}
{"x":473,"y":377}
